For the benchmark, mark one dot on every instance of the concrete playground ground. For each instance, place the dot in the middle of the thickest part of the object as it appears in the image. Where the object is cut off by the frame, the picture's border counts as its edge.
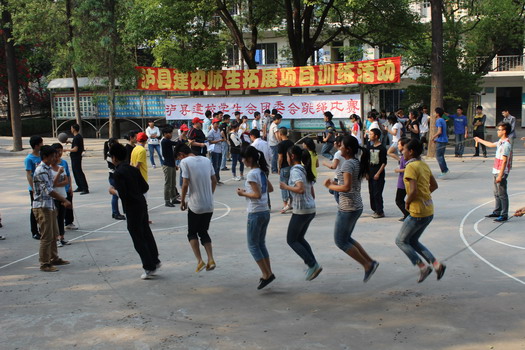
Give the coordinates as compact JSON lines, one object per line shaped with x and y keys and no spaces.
{"x":100,"y":302}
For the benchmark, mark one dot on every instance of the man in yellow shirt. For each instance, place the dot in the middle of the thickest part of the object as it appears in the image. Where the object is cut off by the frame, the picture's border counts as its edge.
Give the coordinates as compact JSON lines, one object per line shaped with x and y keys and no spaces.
{"x":138,"y":156}
{"x":419,"y":183}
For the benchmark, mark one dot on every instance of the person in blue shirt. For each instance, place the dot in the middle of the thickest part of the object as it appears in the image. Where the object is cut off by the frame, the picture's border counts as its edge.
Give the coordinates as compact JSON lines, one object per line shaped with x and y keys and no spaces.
{"x":31,"y":162}
{"x":441,"y":140}
{"x":460,"y":130}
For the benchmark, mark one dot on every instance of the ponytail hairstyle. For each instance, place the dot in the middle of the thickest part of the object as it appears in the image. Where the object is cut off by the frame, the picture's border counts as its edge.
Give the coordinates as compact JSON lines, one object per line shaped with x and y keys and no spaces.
{"x":357,"y":120}
{"x":339,"y":139}
{"x":108,"y":144}
{"x":256,"y":156}
{"x":310,"y":144}
{"x":303,"y":156}
{"x":351,"y":143}
{"x":415,"y":146}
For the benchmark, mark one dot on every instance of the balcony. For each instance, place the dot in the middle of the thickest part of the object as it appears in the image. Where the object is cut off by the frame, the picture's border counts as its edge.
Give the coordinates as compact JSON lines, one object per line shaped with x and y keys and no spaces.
{"x":507,"y":63}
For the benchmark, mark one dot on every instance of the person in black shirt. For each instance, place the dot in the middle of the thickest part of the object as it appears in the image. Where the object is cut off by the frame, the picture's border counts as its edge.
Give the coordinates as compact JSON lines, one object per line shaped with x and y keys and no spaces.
{"x":413,"y":125}
{"x":130,"y":186}
{"x":284,"y":168}
{"x":376,"y":174}
{"x":236,"y":143}
{"x":76,"y":150}
{"x":115,"y":213}
{"x":132,"y":141}
{"x":197,"y":138}
{"x":168,"y":167}
{"x":329,"y":136}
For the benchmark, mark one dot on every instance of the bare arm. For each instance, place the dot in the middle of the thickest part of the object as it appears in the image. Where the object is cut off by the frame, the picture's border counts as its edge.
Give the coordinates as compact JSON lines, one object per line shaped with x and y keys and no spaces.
{"x":184,"y":191}
{"x":29,"y":178}
{"x":345,"y":187}
{"x":213,"y":183}
{"x":332,"y":165}
{"x":255,"y":194}
{"x":486,"y":143}
{"x":297,"y":188}
{"x":433,"y":183}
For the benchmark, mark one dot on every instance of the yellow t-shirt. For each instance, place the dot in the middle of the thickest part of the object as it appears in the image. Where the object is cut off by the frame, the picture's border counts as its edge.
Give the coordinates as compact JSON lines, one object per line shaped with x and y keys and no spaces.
{"x":139,"y":156}
{"x":314,"y":158}
{"x":422,"y":206}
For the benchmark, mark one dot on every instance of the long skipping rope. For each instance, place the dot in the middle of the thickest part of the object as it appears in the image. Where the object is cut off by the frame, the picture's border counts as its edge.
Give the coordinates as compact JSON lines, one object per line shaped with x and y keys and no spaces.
{"x":132,"y":305}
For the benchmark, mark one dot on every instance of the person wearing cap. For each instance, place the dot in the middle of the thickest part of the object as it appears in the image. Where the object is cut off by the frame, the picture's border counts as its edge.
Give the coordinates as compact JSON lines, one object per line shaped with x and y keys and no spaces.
{"x":196,"y":138}
{"x":215,"y":139}
{"x":153,"y":134}
{"x":138,"y":155}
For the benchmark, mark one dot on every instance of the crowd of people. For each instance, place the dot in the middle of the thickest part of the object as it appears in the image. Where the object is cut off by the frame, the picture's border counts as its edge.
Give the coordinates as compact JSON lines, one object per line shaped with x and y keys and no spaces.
{"x":199,"y":152}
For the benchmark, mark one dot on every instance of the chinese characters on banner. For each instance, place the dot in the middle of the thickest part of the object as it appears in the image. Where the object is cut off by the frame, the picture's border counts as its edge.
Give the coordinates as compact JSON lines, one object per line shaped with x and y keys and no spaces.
{"x":296,"y":107}
{"x":380,"y":71}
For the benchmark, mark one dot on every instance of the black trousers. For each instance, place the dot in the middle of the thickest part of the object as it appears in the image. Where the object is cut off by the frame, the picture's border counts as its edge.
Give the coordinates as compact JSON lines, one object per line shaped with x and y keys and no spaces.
{"x":375,"y":187}
{"x":400,"y":201}
{"x":143,"y":240}
{"x":61,"y":213}
{"x":32,"y":219}
{"x":78,"y":174}
{"x":69,"y":217}
{"x":481,"y":135}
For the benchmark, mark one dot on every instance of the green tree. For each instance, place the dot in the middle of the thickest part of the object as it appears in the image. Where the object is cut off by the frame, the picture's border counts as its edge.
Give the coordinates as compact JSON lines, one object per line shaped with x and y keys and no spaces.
{"x":100,"y":50}
{"x":12,"y":74}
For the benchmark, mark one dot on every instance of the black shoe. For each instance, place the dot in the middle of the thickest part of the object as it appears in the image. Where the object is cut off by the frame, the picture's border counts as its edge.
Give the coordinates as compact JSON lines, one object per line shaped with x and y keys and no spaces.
{"x":224,"y":169}
{"x":36,"y":236}
{"x":484,"y":156}
{"x":475,"y":155}
{"x":169,"y":204}
{"x":175,"y":201}
{"x":77,"y":190}
{"x":118,"y":217}
{"x":493,"y":215}
{"x":264,"y":282}
{"x":84,"y":192}
{"x":423,"y":274}
{"x":501,"y":219}
{"x":440,"y":271}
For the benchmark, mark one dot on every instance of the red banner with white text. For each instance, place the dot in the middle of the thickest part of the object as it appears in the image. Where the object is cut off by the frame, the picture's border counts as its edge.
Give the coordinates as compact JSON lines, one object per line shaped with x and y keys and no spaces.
{"x":380,"y":71}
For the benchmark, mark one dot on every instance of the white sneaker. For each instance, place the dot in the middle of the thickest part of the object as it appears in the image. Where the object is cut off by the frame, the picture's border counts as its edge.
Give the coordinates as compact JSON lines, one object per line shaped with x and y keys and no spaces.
{"x":59,"y":244}
{"x":147,"y":274}
{"x":238,"y":178}
{"x":71,"y":227}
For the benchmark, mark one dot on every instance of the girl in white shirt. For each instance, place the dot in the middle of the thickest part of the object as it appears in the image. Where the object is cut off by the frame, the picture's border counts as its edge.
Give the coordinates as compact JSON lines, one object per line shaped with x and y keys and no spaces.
{"x":395,"y":131}
{"x":256,"y":191}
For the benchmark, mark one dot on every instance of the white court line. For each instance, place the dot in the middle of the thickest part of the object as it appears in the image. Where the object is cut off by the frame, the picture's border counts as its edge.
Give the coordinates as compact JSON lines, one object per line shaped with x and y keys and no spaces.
{"x":228,"y":210}
{"x":462,"y":235}
{"x":73,"y":239}
{"x":493,"y":239}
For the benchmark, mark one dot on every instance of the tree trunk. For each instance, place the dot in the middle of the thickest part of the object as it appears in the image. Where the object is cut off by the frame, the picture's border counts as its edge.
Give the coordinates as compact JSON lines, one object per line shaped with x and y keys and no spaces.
{"x":76,"y":99}
{"x":12,"y":79}
{"x":76,"y":94}
{"x":111,"y":71}
{"x":436,"y":90}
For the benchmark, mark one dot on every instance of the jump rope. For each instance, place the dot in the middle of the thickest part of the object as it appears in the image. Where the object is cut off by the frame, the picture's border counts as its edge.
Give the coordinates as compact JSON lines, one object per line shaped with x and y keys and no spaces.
{"x":132,"y":305}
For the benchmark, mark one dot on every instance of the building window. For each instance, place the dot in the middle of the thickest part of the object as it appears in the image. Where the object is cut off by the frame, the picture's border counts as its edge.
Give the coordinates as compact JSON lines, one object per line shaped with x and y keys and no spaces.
{"x":233,"y":56}
{"x":266,"y":54}
{"x":390,"y":100}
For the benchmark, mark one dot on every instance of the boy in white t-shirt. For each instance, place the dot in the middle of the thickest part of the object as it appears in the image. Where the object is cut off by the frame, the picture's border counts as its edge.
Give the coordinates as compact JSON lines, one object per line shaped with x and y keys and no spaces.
{"x":198,"y":183}
{"x":500,"y":170}
{"x":153,"y":134}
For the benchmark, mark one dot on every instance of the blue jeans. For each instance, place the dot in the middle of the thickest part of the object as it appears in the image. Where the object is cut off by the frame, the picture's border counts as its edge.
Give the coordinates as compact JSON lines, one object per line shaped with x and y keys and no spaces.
{"x":295,"y":237}
{"x":275,"y":156}
{"x":460,"y":144}
{"x":237,"y":158}
{"x":501,"y":196}
{"x":284,"y":176}
{"x":114,"y":199}
{"x":441,"y":147}
{"x":325,"y":150}
{"x":408,"y":239}
{"x":151,"y":149}
{"x":344,"y":226}
{"x":216,"y":163}
{"x":257,"y":225}
{"x":225,"y":148}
